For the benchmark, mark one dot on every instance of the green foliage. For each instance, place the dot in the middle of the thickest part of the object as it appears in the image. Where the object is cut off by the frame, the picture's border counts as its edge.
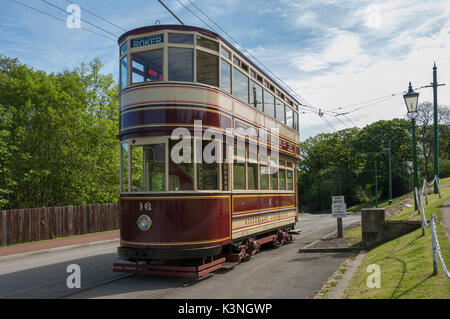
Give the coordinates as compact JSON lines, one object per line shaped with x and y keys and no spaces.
{"x":344,"y":161}
{"x":58,"y":132}
{"x":347,"y":158}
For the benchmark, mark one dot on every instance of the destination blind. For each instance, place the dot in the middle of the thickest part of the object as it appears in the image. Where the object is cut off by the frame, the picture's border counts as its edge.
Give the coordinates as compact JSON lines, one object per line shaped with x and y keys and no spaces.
{"x":150,"y":40}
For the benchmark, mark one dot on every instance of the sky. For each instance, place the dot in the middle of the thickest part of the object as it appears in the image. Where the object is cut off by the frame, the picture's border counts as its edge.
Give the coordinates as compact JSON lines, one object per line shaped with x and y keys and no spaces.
{"x":338,"y":55}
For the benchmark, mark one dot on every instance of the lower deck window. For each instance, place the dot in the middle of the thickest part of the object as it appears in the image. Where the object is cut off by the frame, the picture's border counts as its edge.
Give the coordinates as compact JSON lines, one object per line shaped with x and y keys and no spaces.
{"x":148,"y":168}
{"x":252,"y":173}
{"x":208,"y":173}
{"x":264,"y":177}
{"x":282,"y":177}
{"x":181,"y":170}
{"x":274,"y":180}
{"x":124,"y":166}
{"x":290,"y":179}
{"x":238,"y":175}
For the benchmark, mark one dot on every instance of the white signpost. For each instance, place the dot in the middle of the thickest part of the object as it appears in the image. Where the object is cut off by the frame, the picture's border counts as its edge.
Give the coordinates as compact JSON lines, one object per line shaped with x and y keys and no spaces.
{"x":339,"y":211}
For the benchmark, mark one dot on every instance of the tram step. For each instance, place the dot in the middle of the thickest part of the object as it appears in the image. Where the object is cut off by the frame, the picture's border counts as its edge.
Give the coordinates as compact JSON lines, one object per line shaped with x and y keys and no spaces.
{"x":229,"y":265}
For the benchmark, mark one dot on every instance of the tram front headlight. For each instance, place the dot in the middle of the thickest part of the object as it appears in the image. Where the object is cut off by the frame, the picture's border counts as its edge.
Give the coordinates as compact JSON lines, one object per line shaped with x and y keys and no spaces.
{"x":144,"y":222}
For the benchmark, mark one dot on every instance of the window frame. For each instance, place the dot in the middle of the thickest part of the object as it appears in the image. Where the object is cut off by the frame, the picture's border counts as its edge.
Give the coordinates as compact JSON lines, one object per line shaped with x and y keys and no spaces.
{"x":130,"y":64}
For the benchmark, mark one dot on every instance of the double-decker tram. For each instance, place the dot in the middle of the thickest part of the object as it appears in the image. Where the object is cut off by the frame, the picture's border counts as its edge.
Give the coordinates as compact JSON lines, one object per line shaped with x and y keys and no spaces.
{"x":185,"y":93}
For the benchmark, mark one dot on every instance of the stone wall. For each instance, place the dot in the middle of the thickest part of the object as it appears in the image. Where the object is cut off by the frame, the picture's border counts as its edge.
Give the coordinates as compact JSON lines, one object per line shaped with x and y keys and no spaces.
{"x":375,"y":230}
{"x":394,"y":229}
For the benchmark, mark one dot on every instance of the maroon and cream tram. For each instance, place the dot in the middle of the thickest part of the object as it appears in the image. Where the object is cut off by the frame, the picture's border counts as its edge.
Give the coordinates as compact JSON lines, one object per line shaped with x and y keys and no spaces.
{"x":170,"y":77}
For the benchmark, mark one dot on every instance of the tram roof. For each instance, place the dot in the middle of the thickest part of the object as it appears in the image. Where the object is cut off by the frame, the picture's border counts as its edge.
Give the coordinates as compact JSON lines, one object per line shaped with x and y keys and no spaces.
{"x":207,"y":32}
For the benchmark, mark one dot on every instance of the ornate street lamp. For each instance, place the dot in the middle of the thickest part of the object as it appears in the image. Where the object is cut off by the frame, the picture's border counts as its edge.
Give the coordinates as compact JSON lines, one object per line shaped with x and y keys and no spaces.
{"x":411,"y":98}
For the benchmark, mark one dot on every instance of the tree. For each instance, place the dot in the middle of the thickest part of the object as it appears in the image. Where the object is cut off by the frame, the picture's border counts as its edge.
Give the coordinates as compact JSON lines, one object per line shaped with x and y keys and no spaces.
{"x":348,"y":156}
{"x":58,"y":132}
{"x":425,"y":134}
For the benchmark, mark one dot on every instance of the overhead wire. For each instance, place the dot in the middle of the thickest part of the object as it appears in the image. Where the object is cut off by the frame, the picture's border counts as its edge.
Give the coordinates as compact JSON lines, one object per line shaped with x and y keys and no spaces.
{"x":60,"y":19}
{"x":99,"y":17}
{"x":84,"y":20}
{"x":287,"y":87}
{"x":196,"y":15}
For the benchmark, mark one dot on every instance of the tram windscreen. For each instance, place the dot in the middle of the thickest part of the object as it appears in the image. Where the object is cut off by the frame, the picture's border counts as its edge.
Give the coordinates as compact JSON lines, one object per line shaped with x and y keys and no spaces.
{"x":147,"y":66}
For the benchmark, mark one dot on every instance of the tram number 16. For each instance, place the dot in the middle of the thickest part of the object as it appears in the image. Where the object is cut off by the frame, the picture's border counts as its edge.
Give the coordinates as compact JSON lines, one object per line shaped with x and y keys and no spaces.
{"x":145,"y":206}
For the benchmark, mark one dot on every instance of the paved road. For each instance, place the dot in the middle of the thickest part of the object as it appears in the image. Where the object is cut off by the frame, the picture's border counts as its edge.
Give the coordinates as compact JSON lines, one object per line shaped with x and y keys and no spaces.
{"x":275,"y":273}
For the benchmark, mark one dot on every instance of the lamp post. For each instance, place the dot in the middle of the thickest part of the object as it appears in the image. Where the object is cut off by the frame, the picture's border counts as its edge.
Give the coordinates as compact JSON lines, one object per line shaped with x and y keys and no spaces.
{"x":388,"y":150}
{"x":411,"y":99}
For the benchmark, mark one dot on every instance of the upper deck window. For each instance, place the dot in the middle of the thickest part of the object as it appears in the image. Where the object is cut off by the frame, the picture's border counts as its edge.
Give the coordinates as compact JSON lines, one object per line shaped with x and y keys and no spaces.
{"x":225,"y":78}
{"x":256,"y":92}
{"x":207,"y":43}
{"x":240,"y":85}
{"x":225,"y":53}
{"x":181,"y":64}
{"x":207,"y":68}
{"x":269,"y":104}
{"x":147,"y":66}
{"x":296,"y":121}
{"x":123,"y":73}
{"x":236,"y":61}
{"x":259,"y":78}
{"x":280,"y":111}
{"x":123,"y":48}
{"x":181,"y":38}
{"x":289,"y":117}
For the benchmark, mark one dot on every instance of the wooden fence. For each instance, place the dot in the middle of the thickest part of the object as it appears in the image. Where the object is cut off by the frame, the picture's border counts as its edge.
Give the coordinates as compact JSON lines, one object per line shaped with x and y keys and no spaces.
{"x":26,"y":225}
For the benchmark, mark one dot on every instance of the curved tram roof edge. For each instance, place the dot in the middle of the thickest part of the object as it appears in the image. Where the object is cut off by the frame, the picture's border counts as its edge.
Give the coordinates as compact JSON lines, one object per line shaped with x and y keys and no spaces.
{"x":207,"y":32}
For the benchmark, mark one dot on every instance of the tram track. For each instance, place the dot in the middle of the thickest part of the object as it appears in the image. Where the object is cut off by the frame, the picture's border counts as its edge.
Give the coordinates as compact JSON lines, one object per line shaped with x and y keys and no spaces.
{"x":56,"y":282}
{"x":103,"y":283}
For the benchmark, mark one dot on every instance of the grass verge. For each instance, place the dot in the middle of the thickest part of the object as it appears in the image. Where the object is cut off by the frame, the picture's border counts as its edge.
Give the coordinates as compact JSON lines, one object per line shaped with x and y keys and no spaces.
{"x":406,"y":263}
